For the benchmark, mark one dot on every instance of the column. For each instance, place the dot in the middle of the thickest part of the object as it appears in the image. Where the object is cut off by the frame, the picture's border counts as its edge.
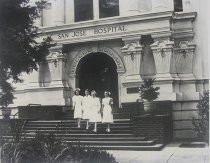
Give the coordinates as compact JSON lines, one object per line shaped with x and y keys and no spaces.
{"x":129,"y":7}
{"x":58,"y":12}
{"x":145,"y":6}
{"x":96,"y":9}
{"x":186,"y":5}
{"x":47,"y":15}
{"x":132,"y":57}
{"x":159,"y":5}
{"x":162,"y":52}
{"x":69,"y":11}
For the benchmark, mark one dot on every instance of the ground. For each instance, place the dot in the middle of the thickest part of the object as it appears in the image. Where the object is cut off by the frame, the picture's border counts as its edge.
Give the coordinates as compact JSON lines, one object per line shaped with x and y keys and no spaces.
{"x":172,"y":153}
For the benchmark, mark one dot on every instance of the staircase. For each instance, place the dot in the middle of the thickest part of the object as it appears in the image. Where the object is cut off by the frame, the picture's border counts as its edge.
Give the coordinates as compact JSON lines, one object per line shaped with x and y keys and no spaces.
{"x":120,"y":137}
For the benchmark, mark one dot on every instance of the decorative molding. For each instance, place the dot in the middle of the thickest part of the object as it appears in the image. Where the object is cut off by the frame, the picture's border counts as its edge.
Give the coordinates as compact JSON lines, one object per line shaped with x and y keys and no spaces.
{"x":92,"y":49}
{"x":184,"y":49}
{"x":132,"y":46}
{"x":162,"y":47}
{"x":163,"y":55}
{"x":184,"y":55}
{"x":56,"y":55}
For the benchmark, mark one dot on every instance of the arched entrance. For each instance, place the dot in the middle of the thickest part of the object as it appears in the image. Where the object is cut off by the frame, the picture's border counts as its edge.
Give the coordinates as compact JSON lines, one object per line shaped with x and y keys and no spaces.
{"x":98,"y":71}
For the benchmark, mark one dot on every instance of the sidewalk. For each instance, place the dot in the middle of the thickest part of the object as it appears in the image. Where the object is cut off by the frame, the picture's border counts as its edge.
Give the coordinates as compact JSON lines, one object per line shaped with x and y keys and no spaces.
{"x":172,"y":153}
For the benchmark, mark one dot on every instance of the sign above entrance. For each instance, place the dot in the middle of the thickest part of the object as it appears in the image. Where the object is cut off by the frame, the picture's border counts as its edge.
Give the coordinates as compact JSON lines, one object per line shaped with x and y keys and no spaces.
{"x":110,"y":28}
{"x":90,"y":32}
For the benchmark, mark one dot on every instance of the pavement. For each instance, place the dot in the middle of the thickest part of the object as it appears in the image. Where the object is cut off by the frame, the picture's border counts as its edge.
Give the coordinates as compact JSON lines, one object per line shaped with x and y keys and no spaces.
{"x":171,"y":153}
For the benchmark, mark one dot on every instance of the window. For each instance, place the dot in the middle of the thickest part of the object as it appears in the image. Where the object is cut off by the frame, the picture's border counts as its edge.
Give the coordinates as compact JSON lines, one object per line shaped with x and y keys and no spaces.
{"x":83,"y":10}
{"x":108,"y":8}
{"x":178,"y":6}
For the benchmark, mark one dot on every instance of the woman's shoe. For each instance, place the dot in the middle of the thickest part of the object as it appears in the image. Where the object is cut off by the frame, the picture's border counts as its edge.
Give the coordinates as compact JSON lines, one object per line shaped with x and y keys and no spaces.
{"x":94,"y":130}
{"x":107,"y":130}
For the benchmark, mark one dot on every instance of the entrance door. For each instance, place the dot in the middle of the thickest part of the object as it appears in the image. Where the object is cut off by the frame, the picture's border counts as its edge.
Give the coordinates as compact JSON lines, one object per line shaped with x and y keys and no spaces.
{"x":97,"y":71}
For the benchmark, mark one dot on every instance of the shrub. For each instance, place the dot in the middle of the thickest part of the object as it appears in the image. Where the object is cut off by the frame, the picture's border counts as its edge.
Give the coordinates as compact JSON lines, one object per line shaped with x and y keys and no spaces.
{"x":201,"y":125}
{"x":50,"y":149}
{"x":147,"y":91}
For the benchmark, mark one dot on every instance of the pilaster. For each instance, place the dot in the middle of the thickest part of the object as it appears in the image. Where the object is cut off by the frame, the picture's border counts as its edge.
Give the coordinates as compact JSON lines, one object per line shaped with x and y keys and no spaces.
{"x":163,"y":55}
{"x":184,"y":54}
{"x":69,"y":11}
{"x":129,"y":7}
{"x":96,"y":9}
{"x":162,"y":5}
{"x":166,"y":76}
{"x":47,"y":15}
{"x":57,"y":63}
{"x":58,"y":12}
{"x":132,"y":51}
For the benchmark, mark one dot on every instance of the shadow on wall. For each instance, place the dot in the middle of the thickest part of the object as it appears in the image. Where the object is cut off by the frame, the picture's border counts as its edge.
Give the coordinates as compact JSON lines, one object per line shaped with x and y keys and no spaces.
{"x":148,"y":69}
{"x":44,"y":74}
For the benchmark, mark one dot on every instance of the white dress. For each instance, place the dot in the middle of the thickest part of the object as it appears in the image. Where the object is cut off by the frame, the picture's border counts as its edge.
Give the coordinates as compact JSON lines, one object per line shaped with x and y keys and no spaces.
{"x":77,"y":106}
{"x":107,"y":110}
{"x":95,"y":106}
{"x":86,"y":106}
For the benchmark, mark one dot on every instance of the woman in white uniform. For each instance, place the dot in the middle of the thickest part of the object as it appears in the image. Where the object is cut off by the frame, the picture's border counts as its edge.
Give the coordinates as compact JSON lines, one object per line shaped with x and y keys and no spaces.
{"x":86,"y":107}
{"x":77,"y":106}
{"x":107,"y":103}
{"x":95,"y":107}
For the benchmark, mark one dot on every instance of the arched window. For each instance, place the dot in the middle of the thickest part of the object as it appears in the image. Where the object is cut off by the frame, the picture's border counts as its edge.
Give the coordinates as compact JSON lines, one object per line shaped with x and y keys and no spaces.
{"x":108,"y":8}
{"x":83,"y":10}
{"x":178,"y":7}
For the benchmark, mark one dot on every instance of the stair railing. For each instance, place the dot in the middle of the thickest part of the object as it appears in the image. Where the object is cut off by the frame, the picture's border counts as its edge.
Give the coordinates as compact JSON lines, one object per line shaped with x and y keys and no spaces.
{"x":16,"y":114}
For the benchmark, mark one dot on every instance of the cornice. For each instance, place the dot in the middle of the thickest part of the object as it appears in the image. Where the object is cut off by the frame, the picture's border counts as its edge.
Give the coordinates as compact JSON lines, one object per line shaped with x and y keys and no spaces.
{"x":107,"y":21}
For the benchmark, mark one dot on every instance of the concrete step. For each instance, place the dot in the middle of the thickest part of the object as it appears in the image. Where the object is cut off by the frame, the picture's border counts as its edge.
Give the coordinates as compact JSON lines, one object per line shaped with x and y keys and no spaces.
{"x":74,"y":120}
{"x":118,"y":115}
{"x":78,"y":131}
{"x":116,"y":124}
{"x":92,"y":135}
{"x":156,"y":147}
{"x":70,"y":127}
{"x":113,"y":143}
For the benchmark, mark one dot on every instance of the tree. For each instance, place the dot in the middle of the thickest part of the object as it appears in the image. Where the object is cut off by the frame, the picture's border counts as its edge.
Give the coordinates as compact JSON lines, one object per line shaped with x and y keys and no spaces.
{"x":19,"y":50}
{"x":201,"y":125}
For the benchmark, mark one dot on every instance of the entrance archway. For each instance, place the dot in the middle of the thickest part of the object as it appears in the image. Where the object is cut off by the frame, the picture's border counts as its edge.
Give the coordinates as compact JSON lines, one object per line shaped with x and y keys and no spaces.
{"x":98,"y":71}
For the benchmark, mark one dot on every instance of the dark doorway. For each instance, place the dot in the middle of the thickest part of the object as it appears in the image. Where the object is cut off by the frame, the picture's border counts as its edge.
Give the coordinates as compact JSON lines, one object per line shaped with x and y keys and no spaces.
{"x":97,"y":71}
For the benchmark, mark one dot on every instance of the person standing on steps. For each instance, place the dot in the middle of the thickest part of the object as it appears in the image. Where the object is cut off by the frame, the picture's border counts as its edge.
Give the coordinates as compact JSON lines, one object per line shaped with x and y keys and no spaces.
{"x":77,"y":106}
{"x":86,"y":107}
{"x":107,"y":103}
{"x":95,"y":110}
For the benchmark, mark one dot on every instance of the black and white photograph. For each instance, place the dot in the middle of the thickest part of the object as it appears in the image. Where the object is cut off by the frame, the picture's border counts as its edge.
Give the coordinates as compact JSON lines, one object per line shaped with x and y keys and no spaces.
{"x":104,"y":81}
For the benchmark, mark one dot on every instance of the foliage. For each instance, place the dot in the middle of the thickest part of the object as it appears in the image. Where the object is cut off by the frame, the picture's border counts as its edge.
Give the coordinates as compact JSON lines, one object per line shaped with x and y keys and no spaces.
{"x":147,"y":91}
{"x":201,"y":125}
{"x":50,"y":149}
{"x":19,"y":50}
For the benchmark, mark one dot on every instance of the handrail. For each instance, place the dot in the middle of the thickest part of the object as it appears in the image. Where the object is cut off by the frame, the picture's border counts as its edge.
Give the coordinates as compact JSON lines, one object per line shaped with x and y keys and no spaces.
{"x":23,"y":127}
{"x":15,"y":115}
